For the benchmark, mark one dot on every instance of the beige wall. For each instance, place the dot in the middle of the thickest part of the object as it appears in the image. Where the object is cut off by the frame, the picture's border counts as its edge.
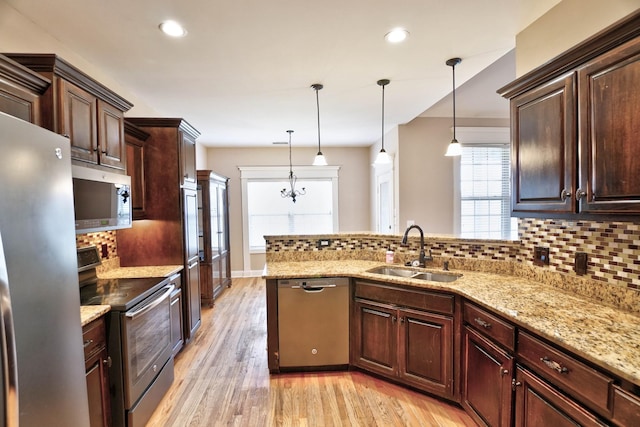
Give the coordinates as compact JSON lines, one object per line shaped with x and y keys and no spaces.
{"x":565,"y":25}
{"x":425,"y":175}
{"x":353,"y":199}
{"x":18,"y":34}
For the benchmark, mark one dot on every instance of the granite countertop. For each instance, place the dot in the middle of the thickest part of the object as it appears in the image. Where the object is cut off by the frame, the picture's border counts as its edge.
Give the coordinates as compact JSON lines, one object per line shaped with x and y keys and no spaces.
{"x":606,"y":336}
{"x":89,"y":313}
{"x":142,"y":271}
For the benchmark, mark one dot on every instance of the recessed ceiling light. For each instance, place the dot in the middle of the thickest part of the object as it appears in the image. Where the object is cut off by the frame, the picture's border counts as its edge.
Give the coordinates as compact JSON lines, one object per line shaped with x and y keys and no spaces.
{"x":172,"y":28}
{"x":396,"y":35}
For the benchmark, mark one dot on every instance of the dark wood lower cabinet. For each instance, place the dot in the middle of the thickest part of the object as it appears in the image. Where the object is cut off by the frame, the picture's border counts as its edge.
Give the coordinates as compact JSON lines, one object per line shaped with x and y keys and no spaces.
{"x":487,"y":371}
{"x":412,"y":346}
{"x":97,"y":363}
{"x":539,"y":404}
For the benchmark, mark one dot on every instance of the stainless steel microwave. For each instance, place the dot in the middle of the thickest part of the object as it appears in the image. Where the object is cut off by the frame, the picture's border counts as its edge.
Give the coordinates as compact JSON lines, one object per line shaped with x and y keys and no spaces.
{"x":102,"y":200}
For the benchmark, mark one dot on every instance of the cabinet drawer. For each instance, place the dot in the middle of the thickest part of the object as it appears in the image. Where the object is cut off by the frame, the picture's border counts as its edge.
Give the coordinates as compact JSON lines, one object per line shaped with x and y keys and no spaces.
{"x":423,"y":300}
{"x":93,"y":337}
{"x":490,"y":325}
{"x":577,"y":379}
{"x":626,"y":407}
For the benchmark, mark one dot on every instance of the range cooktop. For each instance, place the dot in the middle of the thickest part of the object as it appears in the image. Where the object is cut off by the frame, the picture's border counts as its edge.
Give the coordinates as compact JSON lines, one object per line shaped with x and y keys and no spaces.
{"x":120,"y":294}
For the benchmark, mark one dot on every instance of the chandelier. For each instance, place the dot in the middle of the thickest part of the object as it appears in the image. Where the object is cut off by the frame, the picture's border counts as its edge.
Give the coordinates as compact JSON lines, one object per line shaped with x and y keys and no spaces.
{"x":293,"y":193}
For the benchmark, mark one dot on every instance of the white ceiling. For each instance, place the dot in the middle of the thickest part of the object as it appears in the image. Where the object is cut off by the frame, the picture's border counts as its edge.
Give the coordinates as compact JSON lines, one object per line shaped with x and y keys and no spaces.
{"x":242,"y":75}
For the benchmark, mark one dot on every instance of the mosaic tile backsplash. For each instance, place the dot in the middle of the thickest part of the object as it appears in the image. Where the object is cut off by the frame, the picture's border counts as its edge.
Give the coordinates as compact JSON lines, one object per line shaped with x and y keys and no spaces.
{"x":612,"y":248}
{"x":98,"y":239}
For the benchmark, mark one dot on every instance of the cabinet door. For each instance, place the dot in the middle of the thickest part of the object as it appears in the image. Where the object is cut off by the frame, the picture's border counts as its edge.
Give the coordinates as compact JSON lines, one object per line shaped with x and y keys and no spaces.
{"x":188,"y":162}
{"x":543,"y":145}
{"x":176,"y":321}
{"x":609,"y":93}
{"x":97,"y":377}
{"x":192,"y":298}
{"x":135,"y":169}
{"x":77,"y":119}
{"x":375,"y":337}
{"x":19,"y":103}
{"x":425,"y":353}
{"x":192,"y":272}
{"x":486,"y":380}
{"x":111,"y":136}
{"x":538,"y":404}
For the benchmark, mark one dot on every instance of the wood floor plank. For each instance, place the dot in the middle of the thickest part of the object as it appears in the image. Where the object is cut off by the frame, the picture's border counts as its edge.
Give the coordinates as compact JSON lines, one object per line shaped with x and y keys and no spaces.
{"x":222,"y":379}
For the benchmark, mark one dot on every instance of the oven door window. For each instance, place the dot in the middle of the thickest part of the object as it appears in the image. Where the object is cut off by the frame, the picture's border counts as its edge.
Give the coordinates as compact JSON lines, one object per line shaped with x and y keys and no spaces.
{"x":147,"y":343}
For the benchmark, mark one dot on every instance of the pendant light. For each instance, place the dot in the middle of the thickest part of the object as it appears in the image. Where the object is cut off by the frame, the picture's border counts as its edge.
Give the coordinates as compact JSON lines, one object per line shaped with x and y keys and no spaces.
{"x":454,"y":148}
{"x":383,"y":157}
{"x":293,"y":193}
{"x":319,"y":160}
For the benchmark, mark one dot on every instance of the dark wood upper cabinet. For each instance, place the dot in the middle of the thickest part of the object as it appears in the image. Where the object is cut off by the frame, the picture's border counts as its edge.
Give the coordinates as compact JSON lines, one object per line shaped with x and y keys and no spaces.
{"x":75,"y":105}
{"x":543,"y":148}
{"x":20,"y":90}
{"x":609,"y":96}
{"x":135,"y":140}
{"x":575,"y":130}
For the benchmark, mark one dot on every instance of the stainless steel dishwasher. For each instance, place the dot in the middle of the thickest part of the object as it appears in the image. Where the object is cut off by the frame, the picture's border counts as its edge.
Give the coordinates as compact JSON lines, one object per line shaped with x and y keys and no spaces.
{"x":313,"y":322}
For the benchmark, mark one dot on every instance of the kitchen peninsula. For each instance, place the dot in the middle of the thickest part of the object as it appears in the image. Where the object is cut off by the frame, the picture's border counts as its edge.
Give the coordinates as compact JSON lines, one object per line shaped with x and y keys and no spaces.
{"x":555,"y":337}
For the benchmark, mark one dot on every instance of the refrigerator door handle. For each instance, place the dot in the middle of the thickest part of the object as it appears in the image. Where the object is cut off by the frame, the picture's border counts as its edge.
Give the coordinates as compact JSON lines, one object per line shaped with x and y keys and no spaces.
{"x":8,"y":352}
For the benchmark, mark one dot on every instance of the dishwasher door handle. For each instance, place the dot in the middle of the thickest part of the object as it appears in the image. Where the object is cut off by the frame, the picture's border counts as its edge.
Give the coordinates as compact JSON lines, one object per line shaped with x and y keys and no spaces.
{"x":315,"y":289}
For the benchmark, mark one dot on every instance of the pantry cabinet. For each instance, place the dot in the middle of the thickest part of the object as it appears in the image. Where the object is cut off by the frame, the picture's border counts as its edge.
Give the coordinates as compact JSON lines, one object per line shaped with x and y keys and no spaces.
{"x":574,"y":130}
{"x":213,"y":224}
{"x":171,"y":205}
{"x":406,"y":335}
{"x":77,"y":106}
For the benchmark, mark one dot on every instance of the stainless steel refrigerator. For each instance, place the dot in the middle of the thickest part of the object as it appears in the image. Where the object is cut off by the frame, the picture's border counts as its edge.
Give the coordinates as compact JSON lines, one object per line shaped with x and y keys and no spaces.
{"x":41,"y":340}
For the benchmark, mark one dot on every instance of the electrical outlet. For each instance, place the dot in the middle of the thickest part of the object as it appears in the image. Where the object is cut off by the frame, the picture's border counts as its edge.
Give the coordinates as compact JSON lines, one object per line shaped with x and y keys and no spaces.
{"x":105,"y":250}
{"x":324,"y":243}
{"x":540,"y":255}
{"x":580,"y":263}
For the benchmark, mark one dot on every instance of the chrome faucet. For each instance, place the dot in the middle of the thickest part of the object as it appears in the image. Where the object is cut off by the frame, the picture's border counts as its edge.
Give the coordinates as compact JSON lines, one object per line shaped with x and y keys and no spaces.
{"x":422,"y":257}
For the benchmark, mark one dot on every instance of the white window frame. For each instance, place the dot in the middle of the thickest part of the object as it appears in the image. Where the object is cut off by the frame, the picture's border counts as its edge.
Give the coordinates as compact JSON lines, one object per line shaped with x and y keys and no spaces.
{"x":279,"y":173}
{"x":470,"y":136}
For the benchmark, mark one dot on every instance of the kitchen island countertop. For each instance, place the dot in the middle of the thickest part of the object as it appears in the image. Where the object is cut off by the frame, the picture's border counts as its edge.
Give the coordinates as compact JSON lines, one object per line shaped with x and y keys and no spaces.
{"x":605,"y":336}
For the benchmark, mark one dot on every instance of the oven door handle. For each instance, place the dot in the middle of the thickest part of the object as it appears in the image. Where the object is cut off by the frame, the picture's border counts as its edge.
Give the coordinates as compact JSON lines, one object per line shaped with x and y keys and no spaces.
{"x":152,"y":304}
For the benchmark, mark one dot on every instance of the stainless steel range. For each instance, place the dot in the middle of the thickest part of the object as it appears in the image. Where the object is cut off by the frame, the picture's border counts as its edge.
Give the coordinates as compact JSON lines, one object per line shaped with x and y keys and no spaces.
{"x":138,"y":338}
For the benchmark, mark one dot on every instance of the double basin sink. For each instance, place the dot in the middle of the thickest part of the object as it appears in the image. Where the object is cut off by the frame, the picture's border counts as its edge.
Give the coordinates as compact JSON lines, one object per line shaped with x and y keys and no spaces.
{"x":413,"y":274}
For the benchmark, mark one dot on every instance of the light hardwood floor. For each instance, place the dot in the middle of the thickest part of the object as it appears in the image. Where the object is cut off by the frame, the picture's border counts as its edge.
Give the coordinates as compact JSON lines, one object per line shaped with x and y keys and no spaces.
{"x":221,"y":379}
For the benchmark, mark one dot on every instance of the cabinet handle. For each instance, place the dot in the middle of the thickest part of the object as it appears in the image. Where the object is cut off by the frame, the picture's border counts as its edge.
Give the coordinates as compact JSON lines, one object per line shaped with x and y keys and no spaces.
{"x":580,"y":193}
{"x":482,"y":323}
{"x":552,"y":364}
{"x":503,"y":371}
{"x":515,"y":384}
{"x":87,"y":343}
{"x":107,"y":361}
{"x":402,"y":319}
{"x":565,"y":194}
{"x":393,"y":319}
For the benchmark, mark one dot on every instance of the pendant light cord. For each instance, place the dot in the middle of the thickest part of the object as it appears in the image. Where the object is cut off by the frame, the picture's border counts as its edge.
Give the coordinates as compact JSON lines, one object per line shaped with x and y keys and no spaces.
{"x":290,"y":163}
{"x":383,"y":83}
{"x":318,"y":111}
{"x":382,"y":117}
{"x":453,"y":70}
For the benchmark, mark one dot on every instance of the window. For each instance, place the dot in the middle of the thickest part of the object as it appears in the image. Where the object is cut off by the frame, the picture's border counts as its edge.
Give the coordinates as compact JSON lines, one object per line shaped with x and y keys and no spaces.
{"x":271,"y":214}
{"x":484,"y":186}
{"x":265,"y":212}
